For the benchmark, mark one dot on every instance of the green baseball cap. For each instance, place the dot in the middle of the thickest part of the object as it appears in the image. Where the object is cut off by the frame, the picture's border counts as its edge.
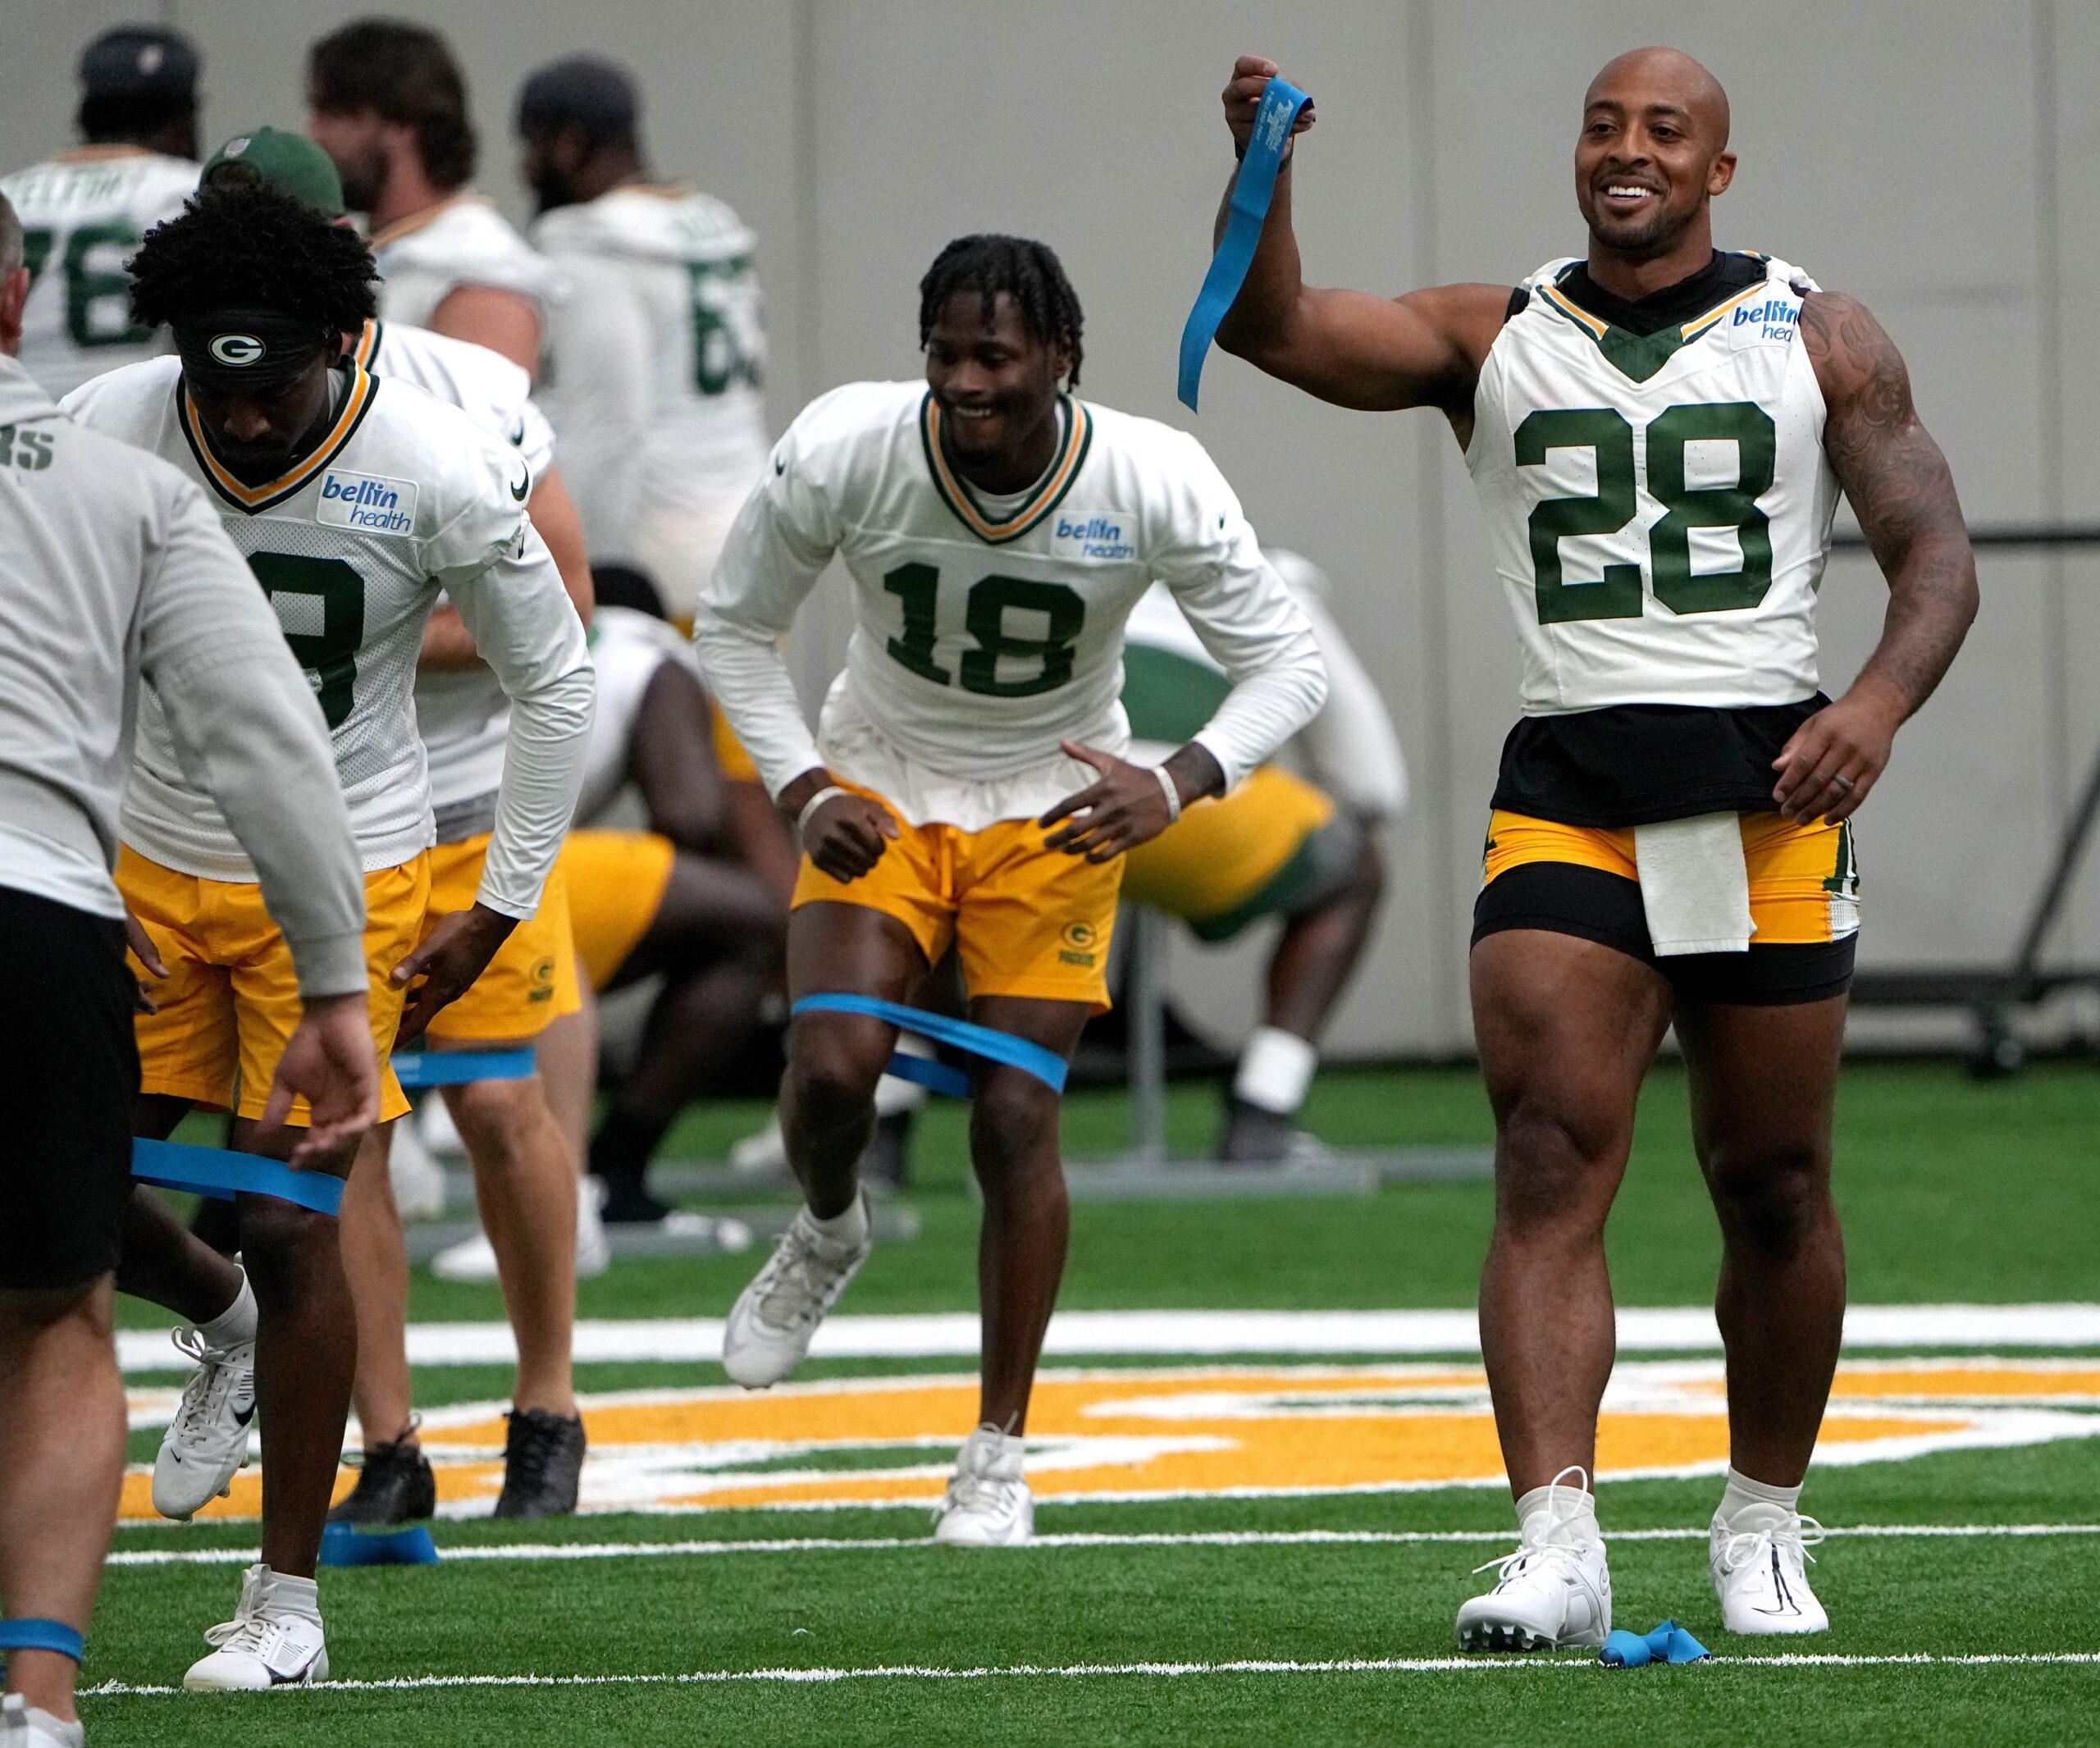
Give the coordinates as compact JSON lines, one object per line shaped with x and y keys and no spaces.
{"x":288,"y":162}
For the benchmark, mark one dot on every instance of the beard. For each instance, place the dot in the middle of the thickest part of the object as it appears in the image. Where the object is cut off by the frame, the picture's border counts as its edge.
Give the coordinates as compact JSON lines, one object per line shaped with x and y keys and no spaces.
{"x":1651,"y":236}
{"x":364,"y":179}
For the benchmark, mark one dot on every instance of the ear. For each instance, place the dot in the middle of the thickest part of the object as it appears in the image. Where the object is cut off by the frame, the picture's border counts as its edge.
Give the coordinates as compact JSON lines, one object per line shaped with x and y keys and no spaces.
{"x":1721,"y":174}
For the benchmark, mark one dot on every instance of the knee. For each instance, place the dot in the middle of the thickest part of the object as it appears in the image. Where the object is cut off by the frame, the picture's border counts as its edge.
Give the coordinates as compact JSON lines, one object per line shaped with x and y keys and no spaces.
{"x":493,"y":1117}
{"x":280,"y":1240}
{"x":1771,"y":1198}
{"x":1013,"y":1126}
{"x":29,"y":1314}
{"x":1556,"y":1167}
{"x":832,"y":1072}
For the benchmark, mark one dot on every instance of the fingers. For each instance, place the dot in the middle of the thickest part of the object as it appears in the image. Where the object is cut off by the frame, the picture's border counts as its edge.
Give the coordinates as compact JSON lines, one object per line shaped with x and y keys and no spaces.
{"x":142,"y":948}
{"x":279,"y":1104}
{"x":423,"y":1006}
{"x":416,"y":963}
{"x":1079,"y":802}
{"x":1823,"y":776}
{"x":1101,"y":761}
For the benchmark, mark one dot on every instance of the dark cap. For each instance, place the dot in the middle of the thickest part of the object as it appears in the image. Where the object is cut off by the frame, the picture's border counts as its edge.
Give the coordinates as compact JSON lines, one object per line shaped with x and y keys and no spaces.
{"x":137,"y":60}
{"x":582,"y":92}
{"x":288,"y":162}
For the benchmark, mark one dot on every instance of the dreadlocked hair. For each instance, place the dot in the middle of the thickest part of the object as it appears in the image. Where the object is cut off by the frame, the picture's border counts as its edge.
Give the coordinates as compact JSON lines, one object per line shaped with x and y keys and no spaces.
{"x":1028,"y":271}
{"x":252,"y":246}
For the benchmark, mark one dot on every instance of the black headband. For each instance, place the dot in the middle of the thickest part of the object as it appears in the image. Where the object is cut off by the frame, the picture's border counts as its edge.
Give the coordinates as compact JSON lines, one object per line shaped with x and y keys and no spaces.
{"x":246,"y":348}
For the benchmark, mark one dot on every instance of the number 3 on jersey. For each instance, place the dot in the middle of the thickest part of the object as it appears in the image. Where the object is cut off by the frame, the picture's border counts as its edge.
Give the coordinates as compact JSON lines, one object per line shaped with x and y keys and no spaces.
{"x":1062,"y":613}
{"x":1607,"y":436}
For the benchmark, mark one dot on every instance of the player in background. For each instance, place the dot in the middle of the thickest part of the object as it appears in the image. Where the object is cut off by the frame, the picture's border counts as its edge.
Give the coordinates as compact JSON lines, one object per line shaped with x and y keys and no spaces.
{"x":1659,"y":434}
{"x":113,"y":570}
{"x":387,"y":102}
{"x":967,"y":784}
{"x":658,"y":351}
{"x":83,"y":211}
{"x":1299,"y":844}
{"x":356,"y":501}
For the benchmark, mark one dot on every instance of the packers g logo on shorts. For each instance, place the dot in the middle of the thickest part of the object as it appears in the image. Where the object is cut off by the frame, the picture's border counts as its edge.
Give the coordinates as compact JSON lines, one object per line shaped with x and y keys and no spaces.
{"x":1079,"y":940}
{"x":542,"y":975}
{"x":238,"y":350}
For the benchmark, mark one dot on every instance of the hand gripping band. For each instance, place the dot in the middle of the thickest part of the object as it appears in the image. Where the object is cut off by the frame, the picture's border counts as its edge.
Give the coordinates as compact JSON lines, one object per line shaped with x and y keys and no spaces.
{"x":219,"y":1173}
{"x":980,"y":1040}
{"x":1252,"y":190}
{"x":416,"y":1069}
{"x":30,"y":1634}
{"x":1668,"y":1643}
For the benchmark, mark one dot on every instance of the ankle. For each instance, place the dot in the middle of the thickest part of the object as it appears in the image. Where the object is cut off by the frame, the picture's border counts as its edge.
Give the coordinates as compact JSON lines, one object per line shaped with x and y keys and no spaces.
{"x":1747,"y":1504}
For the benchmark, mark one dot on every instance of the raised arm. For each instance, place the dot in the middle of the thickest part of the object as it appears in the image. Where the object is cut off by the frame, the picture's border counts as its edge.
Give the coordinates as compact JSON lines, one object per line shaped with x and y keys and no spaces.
{"x":1898,"y":484}
{"x":1351,"y":348}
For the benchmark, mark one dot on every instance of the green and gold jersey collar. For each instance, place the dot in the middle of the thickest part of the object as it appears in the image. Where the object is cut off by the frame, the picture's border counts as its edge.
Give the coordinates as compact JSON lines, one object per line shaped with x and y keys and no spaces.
{"x":356,"y":403}
{"x":1044,"y":496}
{"x":1639,"y":356}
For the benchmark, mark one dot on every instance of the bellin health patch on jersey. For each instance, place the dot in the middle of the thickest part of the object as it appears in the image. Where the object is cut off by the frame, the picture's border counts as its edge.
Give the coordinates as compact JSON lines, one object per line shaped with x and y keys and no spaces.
{"x":369,"y":502}
{"x":1079,"y":535}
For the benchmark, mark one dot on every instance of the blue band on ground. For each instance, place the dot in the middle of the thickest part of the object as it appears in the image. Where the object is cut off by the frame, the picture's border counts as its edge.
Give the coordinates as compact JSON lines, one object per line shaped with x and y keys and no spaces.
{"x":30,"y":1634}
{"x":1668,"y":1643}
{"x":218,"y":1173}
{"x":422,"y":1068}
{"x":1252,"y":190}
{"x":344,"y":1544}
{"x":1046,"y":1066}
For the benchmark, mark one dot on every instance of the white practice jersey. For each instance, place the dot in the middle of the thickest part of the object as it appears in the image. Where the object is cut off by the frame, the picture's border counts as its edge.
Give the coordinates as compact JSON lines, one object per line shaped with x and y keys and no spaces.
{"x":405,"y":498}
{"x":1658,"y":508}
{"x":628,"y":648}
{"x":656,"y":362}
{"x":985,"y":632}
{"x":83,"y":214}
{"x":463,"y":240}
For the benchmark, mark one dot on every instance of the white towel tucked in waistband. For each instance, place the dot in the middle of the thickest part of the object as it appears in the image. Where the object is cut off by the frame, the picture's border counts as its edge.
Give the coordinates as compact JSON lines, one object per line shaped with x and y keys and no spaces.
{"x":1695,"y":884}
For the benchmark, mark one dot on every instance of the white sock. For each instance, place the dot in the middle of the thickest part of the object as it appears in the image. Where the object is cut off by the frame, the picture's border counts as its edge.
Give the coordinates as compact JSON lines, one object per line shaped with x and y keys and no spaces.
{"x":850,"y":1228}
{"x":236,"y":1323}
{"x":1756,"y":1504}
{"x":1565,"y":1517}
{"x":1275,"y":1070}
{"x":73,"y":1734}
{"x":291,"y":1596}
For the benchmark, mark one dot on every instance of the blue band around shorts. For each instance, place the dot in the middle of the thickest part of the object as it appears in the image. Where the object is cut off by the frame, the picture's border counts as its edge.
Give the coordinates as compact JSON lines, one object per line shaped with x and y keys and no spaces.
{"x":220,"y":1173}
{"x":31,"y":1634}
{"x":980,"y":1040}
{"x":415,"y":1069}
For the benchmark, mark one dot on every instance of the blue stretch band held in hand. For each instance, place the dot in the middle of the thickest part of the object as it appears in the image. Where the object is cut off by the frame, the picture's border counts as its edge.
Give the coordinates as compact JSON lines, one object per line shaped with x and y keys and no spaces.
{"x":1668,"y":1643}
{"x":218,"y":1173}
{"x":1046,"y":1066}
{"x":30,"y":1634}
{"x":416,"y":1069}
{"x":1252,"y":190}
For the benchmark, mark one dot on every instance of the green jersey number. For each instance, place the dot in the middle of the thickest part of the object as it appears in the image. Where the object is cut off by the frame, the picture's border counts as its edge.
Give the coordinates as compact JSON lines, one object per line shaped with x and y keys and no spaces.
{"x":985,"y":610}
{"x":728,"y":343}
{"x":91,"y":291}
{"x":320,"y":602}
{"x":1606,"y":434}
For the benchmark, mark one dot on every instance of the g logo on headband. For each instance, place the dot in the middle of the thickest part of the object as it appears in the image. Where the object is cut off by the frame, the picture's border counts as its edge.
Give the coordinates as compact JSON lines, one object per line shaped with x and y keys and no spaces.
{"x":237,"y":350}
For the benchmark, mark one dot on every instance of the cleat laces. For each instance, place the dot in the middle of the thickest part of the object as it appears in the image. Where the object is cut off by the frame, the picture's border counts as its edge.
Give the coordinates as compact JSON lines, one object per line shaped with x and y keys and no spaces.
{"x":1551,"y":1556}
{"x":255,"y":1632}
{"x":799,"y":1284}
{"x":1757,"y":1547}
{"x":204,"y":1396}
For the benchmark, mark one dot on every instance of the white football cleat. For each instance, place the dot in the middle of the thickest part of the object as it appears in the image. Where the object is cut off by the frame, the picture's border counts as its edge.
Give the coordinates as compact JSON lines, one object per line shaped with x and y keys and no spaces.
{"x":261,"y":1647}
{"x":770,"y":1328}
{"x":594,"y":1254}
{"x":989,"y":1504}
{"x":1553,"y":1594}
{"x":1760,"y":1573}
{"x":207,"y":1444}
{"x":764,"y":1153}
{"x":23,"y":1725}
{"x":412,"y":1171}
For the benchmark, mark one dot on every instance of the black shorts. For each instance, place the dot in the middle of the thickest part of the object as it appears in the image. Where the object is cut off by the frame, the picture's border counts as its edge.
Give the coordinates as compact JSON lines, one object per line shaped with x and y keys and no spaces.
{"x":1567,"y":898}
{"x":69,"y":1073}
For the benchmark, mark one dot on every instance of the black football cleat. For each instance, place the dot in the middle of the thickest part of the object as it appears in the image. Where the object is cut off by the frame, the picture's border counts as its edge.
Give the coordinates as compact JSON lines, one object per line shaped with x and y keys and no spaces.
{"x":542,"y":1462}
{"x":395,"y":1485}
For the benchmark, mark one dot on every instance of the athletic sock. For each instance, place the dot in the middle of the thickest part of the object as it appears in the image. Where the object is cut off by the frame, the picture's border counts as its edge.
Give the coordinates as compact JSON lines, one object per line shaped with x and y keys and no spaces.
{"x":73,"y":1734}
{"x":848,"y":1230}
{"x":236,"y":1323}
{"x":291,"y":1596}
{"x":1275,"y":1070}
{"x":1572,"y":1512}
{"x":625,"y":1143}
{"x":1756,"y":1504}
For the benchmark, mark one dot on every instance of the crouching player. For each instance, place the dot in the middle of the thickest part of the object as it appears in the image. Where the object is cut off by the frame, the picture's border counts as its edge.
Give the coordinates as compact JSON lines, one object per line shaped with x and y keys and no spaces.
{"x":966,"y":785}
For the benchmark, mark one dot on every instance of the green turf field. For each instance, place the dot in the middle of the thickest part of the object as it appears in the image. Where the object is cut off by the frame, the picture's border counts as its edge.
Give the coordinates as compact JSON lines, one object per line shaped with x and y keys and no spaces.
{"x":1211,"y":1604}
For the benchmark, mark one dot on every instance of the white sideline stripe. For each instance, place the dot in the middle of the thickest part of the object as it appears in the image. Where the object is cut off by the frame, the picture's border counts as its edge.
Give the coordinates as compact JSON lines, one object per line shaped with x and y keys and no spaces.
{"x":944,"y":1335}
{"x":1244,"y":1666}
{"x":615,"y":1550}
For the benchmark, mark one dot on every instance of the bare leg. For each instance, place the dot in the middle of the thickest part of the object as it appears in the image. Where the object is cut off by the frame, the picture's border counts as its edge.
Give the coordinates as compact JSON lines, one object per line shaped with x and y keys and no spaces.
{"x":569,"y":1071}
{"x":1763,"y":1081}
{"x":159,"y":1259}
{"x":375,"y":1260}
{"x":1319,"y":949}
{"x":61,"y":1470}
{"x":1566,"y":1030}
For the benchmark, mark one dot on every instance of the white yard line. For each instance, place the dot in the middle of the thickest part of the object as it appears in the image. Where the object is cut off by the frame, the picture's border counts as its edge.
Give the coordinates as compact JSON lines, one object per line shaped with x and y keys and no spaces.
{"x":1024,"y":1672}
{"x":616,"y":1550}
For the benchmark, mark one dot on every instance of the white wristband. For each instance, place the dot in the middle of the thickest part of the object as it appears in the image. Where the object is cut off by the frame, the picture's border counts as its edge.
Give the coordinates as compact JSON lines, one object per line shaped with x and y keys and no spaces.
{"x":815,"y":801}
{"x":1173,"y":792}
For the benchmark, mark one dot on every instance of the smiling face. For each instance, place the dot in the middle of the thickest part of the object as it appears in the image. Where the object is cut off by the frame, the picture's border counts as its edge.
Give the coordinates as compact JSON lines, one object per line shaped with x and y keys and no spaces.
{"x":997,"y":385}
{"x":1652,"y":154}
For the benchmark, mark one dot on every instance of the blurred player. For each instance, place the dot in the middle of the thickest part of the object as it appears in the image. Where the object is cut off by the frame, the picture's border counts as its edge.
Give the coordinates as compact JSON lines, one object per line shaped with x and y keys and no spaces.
{"x":1659,"y":435}
{"x":1301,"y":847}
{"x":967,"y":786}
{"x":657,"y":346}
{"x":388,"y":103}
{"x":83,"y":211}
{"x":355,"y":501}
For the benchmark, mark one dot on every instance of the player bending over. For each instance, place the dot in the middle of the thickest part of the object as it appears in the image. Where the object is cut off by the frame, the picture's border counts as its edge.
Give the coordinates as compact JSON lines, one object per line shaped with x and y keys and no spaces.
{"x":1659,"y":435}
{"x":355,"y":501}
{"x":965,"y":785}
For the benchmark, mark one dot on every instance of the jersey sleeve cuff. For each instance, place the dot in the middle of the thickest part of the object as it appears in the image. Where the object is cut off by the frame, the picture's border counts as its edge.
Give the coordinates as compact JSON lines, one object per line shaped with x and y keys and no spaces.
{"x":331,"y":965}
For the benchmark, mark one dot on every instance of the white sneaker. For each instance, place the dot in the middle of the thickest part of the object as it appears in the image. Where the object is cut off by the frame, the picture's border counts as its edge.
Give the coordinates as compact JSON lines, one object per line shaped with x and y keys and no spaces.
{"x":472,"y":1259}
{"x":23,"y":1725}
{"x":436,"y":1130}
{"x":1759,"y":1575}
{"x":594,"y":1254}
{"x":764,"y":1151}
{"x":417,"y":1179}
{"x":261,"y":1647}
{"x":769,"y":1328}
{"x":989,"y":1504}
{"x":1553,"y":1594}
{"x":206,"y":1445}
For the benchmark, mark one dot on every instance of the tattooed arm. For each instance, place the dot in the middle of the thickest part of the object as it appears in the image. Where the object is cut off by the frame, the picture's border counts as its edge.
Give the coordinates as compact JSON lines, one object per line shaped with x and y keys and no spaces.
{"x":1897,"y":483}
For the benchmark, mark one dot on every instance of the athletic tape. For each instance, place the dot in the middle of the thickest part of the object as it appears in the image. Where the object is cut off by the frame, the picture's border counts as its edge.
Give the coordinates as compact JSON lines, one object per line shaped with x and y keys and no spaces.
{"x":981,"y":1041}
{"x":1252,"y":190}
{"x":416,"y":1069}
{"x":219,"y":1173}
{"x":28,"y":1633}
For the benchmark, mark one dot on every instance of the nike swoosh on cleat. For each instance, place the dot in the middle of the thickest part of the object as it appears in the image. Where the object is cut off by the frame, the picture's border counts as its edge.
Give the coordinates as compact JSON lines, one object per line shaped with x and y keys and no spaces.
{"x":244,"y":1415}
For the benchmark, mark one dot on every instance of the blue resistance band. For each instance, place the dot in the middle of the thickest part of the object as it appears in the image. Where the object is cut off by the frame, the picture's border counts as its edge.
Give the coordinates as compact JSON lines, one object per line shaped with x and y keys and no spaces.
{"x":218,"y":1173}
{"x":1252,"y":190}
{"x":344,"y":1544}
{"x":1046,"y":1066}
{"x":1668,"y":1643}
{"x":415,"y":1069}
{"x":29,"y":1634}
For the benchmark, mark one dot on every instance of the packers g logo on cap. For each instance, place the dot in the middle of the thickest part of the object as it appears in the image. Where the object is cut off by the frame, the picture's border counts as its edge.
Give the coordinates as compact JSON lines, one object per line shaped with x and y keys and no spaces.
{"x":237,"y":350}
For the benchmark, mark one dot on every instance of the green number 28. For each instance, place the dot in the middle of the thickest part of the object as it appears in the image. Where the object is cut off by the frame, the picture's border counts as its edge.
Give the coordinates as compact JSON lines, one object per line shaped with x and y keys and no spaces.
{"x":990,"y":600}
{"x":1606,"y":435}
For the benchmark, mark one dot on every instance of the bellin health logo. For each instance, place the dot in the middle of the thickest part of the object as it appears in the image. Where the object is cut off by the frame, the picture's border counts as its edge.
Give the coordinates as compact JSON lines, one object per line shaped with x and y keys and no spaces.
{"x":368,"y":503}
